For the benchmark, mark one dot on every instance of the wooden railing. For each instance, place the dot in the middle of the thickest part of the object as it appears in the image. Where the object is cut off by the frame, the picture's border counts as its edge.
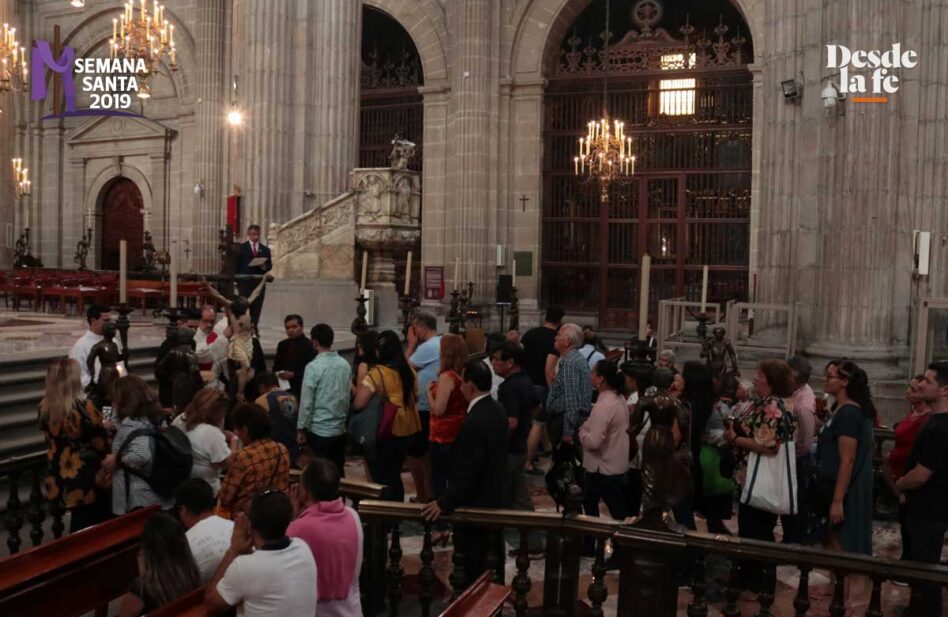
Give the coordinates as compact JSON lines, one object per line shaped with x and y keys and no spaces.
{"x":649,"y":559}
{"x":76,"y":574}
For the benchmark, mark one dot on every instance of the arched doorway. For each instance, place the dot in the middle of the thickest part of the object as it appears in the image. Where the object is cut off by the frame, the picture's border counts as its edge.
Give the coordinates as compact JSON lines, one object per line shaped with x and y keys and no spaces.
{"x":122,"y":219}
{"x":390,"y":104}
{"x":678,"y":78}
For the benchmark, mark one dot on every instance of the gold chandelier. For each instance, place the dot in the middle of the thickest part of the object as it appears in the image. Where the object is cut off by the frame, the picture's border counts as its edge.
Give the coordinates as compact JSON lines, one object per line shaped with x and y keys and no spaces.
{"x":21,"y":179}
{"x":605,"y":153}
{"x":13,"y":62}
{"x":147,"y":36}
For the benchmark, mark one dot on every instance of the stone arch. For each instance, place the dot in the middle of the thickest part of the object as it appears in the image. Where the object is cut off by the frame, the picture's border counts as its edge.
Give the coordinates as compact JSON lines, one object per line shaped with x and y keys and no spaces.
{"x":424,"y":22}
{"x":542,"y":24}
{"x":96,"y":193}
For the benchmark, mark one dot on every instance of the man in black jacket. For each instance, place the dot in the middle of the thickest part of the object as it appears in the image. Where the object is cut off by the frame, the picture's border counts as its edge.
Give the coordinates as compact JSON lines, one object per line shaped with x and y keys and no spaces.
{"x":478,"y":474}
{"x":247,"y":252}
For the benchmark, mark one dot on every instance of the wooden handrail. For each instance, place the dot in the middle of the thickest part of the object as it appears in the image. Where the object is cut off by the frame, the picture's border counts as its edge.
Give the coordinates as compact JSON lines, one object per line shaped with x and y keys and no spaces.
{"x":579,"y":524}
{"x":190,"y":605}
{"x":95,"y":565}
{"x":481,"y":599}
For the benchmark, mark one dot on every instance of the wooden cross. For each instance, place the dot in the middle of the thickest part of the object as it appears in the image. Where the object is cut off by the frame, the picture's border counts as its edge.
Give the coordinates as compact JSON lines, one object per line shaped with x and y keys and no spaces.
{"x":523,"y":202}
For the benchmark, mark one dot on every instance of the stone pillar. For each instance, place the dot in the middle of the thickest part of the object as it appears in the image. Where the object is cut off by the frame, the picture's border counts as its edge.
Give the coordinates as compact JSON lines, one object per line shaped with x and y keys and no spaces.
{"x":335,"y":148}
{"x":211,"y":129}
{"x":434,"y":242}
{"x":8,"y":232}
{"x":263,"y":59}
{"x":469,"y":175}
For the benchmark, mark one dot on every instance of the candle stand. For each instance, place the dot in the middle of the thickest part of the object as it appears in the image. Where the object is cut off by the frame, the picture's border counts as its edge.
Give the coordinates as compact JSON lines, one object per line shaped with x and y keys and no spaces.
{"x":407,"y":305}
{"x":359,"y":324}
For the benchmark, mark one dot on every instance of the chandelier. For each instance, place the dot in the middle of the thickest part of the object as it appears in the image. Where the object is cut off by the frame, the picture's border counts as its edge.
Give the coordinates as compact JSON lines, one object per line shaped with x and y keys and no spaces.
{"x":21,"y":179}
{"x":605,"y":153}
{"x":146,"y":36}
{"x":13,"y":62}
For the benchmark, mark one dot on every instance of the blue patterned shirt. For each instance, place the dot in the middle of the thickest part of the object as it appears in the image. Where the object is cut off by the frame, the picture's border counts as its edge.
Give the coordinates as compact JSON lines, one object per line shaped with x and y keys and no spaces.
{"x":571,"y":392}
{"x":324,"y":397}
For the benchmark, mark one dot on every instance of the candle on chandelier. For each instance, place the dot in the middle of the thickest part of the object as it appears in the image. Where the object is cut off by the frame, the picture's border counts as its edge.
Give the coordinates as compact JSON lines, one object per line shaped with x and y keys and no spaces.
{"x":171,"y":36}
{"x":576,"y":165}
{"x":408,"y":273}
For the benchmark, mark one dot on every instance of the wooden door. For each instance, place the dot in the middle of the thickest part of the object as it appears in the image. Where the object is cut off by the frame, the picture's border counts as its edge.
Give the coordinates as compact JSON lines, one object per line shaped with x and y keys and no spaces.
{"x":122,"y":219}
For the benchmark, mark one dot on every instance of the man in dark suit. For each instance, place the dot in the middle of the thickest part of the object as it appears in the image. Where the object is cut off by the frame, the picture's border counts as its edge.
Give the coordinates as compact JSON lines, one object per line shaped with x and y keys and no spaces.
{"x":246,"y":253}
{"x":478,"y":473}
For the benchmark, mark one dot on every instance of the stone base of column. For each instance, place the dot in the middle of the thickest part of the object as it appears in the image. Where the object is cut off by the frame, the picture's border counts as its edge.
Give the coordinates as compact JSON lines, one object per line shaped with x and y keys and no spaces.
{"x":882,"y":363}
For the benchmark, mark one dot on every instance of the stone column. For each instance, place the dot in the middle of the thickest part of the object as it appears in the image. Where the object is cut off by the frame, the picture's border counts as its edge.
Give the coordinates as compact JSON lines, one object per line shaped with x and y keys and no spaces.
{"x":263,"y":57}
{"x":335,"y":147}
{"x":469,"y":175}
{"x":434,"y":243}
{"x":211,"y":128}
{"x":7,"y":152}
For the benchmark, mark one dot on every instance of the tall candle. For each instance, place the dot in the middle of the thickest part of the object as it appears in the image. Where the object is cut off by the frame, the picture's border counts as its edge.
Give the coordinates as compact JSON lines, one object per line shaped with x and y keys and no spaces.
{"x":457,"y":262}
{"x":513,"y":272}
{"x":365,"y":266}
{"x":643,"y":294}
{"x":123,"y":260}
{"x":174,"y":273}
{"x":704,"y":288}
{"x":408,"y":273}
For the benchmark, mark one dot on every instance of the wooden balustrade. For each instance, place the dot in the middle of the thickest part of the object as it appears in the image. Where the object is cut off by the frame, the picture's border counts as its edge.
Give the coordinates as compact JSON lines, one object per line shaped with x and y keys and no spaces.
{"x":75,"y":574}
{"x":648,"y":561}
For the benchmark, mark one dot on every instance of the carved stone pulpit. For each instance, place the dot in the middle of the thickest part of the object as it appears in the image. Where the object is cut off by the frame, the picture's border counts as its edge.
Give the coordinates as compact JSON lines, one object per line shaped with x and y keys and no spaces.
{"x":387,"y":220}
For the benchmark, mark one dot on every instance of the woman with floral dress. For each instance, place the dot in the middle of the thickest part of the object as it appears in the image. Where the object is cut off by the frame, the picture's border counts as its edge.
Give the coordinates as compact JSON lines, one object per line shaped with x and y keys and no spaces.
{"x":76,"y":442}
{"x":765,"y":425}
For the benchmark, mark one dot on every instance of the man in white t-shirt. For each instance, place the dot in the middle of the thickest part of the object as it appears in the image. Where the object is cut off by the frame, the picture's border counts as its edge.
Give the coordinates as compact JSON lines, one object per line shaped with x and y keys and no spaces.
{"x":208,"y":534}
{"x":270,"y":574}
{"x":96,"y":316}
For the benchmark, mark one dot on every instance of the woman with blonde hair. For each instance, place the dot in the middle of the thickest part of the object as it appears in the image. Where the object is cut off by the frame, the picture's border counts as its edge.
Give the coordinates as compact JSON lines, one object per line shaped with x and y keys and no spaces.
{"x":202,"y":421}
{"x":448,"y":409}
{"x":77,"y":442}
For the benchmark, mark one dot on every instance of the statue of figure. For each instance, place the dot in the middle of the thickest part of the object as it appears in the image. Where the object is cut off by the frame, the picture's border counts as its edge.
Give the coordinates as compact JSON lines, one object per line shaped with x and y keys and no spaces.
{"x":82,"y":250}
{"x":402,"y":152}
{"x":720,"y":354}
{"x":665,"y":478}
{"x":148,"y":252}
{"x":178,"y":375}
{"x":240,"y":347}
{"x":21,"y":249}
{"x":107,"y":353}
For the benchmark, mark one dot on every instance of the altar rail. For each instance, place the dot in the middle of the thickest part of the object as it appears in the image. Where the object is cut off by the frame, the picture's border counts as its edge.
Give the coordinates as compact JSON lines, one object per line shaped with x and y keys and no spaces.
{"x":649,"y":560}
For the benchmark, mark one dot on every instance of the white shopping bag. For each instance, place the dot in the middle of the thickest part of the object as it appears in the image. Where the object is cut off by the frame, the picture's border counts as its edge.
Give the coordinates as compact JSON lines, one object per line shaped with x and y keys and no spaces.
{"x":771,"y":483}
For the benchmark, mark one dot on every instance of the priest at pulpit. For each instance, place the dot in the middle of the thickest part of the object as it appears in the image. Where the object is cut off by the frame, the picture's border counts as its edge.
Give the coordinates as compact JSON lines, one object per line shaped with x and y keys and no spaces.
{"x":253,"y":257}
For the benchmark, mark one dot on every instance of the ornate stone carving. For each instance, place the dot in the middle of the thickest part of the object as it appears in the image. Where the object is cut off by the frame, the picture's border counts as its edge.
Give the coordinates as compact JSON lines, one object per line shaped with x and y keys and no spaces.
{"x":380,"y":213}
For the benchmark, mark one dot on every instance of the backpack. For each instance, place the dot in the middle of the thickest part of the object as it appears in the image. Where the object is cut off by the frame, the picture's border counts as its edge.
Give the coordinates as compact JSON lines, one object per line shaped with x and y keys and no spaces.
{"x":170,"y":465}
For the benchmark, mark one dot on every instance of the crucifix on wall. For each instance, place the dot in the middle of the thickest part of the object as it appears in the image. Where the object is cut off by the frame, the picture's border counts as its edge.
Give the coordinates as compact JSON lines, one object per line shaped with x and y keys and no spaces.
{"x":523,"y":202}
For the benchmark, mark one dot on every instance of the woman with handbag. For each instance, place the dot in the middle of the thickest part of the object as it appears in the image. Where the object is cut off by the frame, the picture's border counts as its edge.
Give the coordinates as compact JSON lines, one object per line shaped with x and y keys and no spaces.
{"x":392,"y":385}
{"x":759,"y":436}
{"x":77,"y":441}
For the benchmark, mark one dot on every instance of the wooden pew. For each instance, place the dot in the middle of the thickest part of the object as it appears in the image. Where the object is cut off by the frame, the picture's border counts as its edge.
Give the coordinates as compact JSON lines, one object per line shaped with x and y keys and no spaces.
{"x":482,"y":599}
{"x":191,"y":605}
{"x":75,"y":574}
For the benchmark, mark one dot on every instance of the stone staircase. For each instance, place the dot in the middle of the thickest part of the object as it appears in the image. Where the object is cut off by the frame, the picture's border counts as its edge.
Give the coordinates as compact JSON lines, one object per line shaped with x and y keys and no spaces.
{"x":22,"y":380}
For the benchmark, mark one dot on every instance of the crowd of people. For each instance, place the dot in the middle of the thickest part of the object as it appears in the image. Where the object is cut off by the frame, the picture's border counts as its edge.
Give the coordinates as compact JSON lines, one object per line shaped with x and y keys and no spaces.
{"x":470,"y":432}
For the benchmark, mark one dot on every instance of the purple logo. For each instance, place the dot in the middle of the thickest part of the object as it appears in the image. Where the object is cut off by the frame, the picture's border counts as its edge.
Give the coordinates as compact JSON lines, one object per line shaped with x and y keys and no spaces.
{"x":65,"y":67}
{"x":43,"y":56}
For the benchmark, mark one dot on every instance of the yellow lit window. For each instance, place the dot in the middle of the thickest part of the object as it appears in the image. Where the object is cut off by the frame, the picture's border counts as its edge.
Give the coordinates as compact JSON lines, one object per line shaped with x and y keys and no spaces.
{"x":677,"y":96}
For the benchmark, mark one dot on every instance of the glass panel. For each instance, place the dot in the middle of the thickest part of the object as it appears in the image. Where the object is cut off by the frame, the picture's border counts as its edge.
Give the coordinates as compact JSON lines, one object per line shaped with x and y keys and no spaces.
{"x":663,"y":198}
{"x":623,"y":243}
{"x":937,"y":334}
{"x":571,"y":241}
{"x":574,"y":287}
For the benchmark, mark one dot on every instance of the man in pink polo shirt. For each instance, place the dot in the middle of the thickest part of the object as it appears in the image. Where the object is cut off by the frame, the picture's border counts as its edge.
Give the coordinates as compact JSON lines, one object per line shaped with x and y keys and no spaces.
{"x":333,"y":532}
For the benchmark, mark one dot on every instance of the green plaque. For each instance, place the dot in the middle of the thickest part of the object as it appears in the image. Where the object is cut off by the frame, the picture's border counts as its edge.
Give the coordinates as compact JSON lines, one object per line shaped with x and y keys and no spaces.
{"x":524,"y":263}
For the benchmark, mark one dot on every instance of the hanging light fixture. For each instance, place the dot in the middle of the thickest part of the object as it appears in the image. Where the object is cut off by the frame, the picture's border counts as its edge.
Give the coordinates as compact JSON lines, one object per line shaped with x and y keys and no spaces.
{"x":14,"y":68}
{"x":145,"y":35}
{"x":21,"y":179}
{"x":606,"y":152}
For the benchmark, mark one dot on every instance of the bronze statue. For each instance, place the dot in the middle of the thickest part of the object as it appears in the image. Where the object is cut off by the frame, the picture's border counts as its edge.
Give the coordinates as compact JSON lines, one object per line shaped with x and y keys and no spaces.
{"x":107,"y":353}
{"x":148,"y":252}
{"x":665,"y":479}
{"x":721,"y":359}
{"x":82,"y":250}
{"x":178,"y":375}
